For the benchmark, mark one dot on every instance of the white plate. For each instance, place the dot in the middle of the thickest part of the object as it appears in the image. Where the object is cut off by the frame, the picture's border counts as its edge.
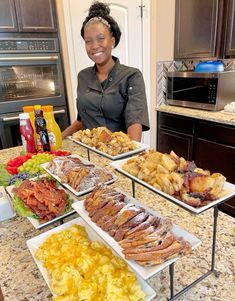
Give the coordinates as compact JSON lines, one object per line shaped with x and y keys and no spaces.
{"x":34,"y":243}
{"x":229,"y":190}
{"x":144,"y":272}
{"x":140,"y":147}
{"x":34,"y":221}
{"x":6,"y":209}
{"x":81,"y":192}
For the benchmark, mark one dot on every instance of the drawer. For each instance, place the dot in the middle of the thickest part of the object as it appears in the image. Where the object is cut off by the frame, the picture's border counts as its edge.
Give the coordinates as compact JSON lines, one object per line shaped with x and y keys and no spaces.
{"x":216,"y":158}
{"x":176,"y":123}
{"x":219,"y":133}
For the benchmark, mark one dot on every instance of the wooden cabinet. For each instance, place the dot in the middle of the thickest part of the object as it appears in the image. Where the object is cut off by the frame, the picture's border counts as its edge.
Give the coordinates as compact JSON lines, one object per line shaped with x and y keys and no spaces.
{"x":195,"y":28}
{"x":210,"y":145}
{"x":8,"y":21}
{"x":27,"y":16}
{"x":204,"y":29}
{"x":230,"y":32}
{"x":215,"y":150}
{"x":175,"y":133}
{"x":180,"y":143}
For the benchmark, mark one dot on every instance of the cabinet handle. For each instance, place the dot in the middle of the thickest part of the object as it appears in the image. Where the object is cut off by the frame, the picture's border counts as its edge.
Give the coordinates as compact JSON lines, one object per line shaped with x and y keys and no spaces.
{"x":30,"y":58}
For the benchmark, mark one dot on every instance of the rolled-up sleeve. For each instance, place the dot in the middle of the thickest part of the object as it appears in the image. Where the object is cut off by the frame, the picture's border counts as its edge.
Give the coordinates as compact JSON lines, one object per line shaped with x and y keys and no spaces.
{"x":136,"y":110}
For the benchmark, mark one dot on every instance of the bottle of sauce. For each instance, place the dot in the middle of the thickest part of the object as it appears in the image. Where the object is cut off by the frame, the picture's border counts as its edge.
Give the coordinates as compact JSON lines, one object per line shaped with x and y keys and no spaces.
{"x":30,"y":110}
{"x":53,"y":129}
{"x":43,"y":143}
{"x":27,"y":133}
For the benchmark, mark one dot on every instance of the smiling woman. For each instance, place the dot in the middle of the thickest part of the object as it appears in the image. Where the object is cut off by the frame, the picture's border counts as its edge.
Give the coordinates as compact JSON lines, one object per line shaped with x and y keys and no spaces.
{"x":99,"y":43}
{"x":108,"y":94}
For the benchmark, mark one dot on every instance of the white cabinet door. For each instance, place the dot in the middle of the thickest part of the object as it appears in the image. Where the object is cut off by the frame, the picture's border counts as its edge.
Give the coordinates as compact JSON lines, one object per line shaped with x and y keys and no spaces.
{"x":133,"y":49}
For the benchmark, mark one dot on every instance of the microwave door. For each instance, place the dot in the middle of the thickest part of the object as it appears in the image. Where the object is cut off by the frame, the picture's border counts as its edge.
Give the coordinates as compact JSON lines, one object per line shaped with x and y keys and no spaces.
{"x":192,"y":94}
{"x":187,"y":89}
{"x":194,"y":90}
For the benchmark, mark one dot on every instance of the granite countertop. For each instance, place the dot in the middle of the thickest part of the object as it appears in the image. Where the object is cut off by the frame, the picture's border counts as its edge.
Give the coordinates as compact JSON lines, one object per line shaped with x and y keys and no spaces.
{"x":20,"y":279}
{"x":219,"y":117}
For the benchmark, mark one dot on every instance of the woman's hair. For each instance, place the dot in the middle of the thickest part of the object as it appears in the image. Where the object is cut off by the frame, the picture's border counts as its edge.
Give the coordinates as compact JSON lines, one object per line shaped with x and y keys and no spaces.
{"x":100,"y":12}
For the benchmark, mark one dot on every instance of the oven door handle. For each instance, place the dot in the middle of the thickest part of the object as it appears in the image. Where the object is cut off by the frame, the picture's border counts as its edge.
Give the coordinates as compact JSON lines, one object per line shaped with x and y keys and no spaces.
{"x":30,"y":58}
{"x":59,"y":112}
{"x":5,"y":119}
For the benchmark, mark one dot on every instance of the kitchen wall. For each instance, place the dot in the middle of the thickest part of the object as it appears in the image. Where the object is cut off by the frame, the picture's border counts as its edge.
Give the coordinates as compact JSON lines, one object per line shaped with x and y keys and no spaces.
{"x":164,"y":66}
{"x":162,"y":49}
{"x":65,"y":56}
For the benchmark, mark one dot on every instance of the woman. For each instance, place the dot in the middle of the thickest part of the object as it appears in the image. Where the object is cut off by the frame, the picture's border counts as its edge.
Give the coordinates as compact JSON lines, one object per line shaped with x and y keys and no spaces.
{"x":109,"y":94}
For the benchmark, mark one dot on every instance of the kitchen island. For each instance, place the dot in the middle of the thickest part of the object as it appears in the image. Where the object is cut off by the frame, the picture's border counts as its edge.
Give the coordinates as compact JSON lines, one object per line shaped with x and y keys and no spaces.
{"x":20,"y":279}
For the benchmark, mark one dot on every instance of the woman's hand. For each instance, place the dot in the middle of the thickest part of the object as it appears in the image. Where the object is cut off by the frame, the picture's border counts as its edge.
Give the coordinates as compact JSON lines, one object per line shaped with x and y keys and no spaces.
{"x":135,"y":132}
{"x":74,"y":127}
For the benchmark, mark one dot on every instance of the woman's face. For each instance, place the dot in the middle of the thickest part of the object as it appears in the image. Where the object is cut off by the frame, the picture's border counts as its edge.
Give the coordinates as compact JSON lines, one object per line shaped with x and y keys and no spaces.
{"x":99,"y":43}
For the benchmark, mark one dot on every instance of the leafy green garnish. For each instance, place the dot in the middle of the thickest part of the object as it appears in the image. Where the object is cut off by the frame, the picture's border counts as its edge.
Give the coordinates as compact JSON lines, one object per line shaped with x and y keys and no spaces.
{"x":18,"y":183}
{"x":21,"y":209}
{"x":4,"y":175}
{"x":69,"y":204}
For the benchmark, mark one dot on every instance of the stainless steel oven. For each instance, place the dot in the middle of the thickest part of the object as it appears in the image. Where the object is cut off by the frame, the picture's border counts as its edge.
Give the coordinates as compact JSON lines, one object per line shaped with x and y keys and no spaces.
{"x":30,"y":73}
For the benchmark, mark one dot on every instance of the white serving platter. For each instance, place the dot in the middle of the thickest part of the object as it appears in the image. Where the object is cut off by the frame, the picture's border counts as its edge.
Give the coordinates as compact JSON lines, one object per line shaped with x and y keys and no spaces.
{"x":140,"y":147}
{"x":34,"y":243}
{"x":35,"y":222}
{"x":6,"y":209}
{"x":144,"y":272}
{"x":228,"y":191}
{"x":81,"y":192}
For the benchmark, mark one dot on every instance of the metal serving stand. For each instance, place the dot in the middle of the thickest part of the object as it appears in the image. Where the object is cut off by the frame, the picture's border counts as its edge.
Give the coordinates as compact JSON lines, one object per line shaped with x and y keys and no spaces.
{"x":134,"y":180}
{"x":174,"y":296}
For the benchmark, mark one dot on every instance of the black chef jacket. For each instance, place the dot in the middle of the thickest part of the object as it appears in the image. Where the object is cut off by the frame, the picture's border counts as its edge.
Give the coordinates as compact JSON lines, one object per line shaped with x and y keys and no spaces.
{"x":116,"y":103}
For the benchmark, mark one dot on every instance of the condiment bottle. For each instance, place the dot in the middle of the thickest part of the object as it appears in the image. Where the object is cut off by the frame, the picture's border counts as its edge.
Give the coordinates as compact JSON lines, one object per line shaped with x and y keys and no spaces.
{"x":30,"y":110}
{"x":27,"y":133}
{"x":53,"y":129}
{"x":42,"y":142}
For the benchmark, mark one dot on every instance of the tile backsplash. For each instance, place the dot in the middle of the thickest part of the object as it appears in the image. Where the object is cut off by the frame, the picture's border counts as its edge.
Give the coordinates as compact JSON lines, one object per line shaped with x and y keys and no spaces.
{"x":163,"y":67}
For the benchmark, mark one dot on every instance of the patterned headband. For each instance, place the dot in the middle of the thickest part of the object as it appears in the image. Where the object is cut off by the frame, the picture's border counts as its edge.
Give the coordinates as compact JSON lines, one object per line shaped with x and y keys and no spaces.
{"x":98,"y":19}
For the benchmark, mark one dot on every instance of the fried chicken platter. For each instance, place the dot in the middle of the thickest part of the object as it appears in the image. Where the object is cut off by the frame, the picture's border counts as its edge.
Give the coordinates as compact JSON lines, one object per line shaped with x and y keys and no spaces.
{"x":144,"y":237}
{"x":113,"y":145}
{"x":77,"y":174}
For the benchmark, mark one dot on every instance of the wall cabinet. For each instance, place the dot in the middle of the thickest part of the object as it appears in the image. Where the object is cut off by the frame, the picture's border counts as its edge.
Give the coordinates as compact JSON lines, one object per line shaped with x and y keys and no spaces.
{"x":27,"y":16}
{"x":204,"y":29}
{"x":210,"y":145}
{"x":230,"y":33}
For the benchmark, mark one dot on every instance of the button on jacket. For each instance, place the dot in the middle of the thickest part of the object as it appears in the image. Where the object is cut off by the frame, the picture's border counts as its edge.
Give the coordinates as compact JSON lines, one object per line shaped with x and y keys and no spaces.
{"x":116,"y":103}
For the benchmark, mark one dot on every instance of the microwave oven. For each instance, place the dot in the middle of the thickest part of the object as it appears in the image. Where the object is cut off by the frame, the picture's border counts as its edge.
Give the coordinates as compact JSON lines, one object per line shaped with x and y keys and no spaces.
{"x":201,"y":90}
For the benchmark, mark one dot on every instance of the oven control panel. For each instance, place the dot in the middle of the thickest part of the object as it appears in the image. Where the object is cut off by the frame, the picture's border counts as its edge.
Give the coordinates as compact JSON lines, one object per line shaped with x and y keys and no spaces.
{"x":28,"y":45}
